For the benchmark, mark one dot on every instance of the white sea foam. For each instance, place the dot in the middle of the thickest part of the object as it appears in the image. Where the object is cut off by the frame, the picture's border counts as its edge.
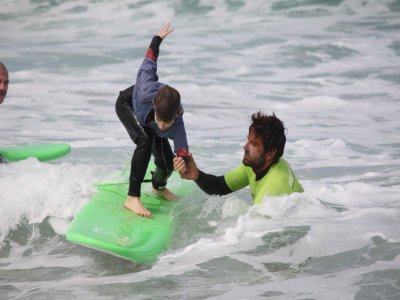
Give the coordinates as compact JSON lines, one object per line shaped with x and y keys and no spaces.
{"x":34,"y":191}
{"x":328,"y":69}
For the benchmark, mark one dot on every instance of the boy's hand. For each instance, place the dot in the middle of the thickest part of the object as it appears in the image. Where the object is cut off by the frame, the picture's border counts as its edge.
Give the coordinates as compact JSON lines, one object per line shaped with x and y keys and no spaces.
{"x":165,"y":31}
{"x":187,"y":170}
{"x":179,"y":165}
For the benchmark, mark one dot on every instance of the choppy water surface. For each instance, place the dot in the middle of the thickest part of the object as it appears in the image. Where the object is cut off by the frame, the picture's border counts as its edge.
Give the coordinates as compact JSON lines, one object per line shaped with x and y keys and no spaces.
{"x":328,"y":69}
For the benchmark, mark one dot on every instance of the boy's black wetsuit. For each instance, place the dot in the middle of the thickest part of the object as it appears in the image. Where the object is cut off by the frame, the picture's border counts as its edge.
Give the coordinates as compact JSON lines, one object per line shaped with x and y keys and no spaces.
{"x":134,"y":108}
{"x":146,"y":144}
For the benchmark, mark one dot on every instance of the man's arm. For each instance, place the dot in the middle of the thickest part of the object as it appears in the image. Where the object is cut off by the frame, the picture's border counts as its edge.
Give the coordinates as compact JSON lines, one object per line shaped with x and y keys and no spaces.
{"x":210,"y":184}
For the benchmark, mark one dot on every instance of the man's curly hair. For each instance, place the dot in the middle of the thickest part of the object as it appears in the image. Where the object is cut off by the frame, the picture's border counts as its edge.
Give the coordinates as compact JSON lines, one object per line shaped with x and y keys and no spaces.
{"x":272,"y":132}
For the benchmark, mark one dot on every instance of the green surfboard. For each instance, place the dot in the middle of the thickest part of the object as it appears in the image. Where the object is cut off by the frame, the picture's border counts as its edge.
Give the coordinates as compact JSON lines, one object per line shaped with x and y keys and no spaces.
{"x":43,"y":152}
{"x":104,"y":224}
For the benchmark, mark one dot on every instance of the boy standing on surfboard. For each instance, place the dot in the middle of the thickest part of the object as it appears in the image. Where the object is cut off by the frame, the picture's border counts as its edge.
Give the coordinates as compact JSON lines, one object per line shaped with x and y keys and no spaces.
{"x":152,"y":113}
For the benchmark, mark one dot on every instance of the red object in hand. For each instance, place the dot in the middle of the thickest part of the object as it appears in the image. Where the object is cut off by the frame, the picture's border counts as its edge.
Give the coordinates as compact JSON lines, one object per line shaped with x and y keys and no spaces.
{"x":183,"y":153}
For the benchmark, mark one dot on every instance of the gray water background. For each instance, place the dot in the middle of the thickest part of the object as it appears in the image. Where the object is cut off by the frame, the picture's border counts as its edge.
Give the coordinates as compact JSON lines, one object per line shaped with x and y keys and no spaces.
{"x":328,"y":69}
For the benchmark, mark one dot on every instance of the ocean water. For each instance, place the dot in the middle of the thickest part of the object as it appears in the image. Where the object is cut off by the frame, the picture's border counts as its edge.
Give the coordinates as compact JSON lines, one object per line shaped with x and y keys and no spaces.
{"x":330,"y":69}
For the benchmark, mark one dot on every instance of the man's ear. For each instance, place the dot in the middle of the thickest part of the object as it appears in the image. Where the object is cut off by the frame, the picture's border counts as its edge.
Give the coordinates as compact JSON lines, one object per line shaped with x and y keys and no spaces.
{"x":271,"y":154}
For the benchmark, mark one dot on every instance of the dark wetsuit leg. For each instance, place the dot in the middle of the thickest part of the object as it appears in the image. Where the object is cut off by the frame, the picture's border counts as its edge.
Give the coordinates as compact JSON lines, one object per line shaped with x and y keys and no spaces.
{"x":142,"y":137}
{"x":163,"y":158}
{"x":2,"y":160}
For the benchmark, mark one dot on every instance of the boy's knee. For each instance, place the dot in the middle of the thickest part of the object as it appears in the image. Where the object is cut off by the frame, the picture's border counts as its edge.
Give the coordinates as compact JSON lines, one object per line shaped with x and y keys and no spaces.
{"x":142,"y":140}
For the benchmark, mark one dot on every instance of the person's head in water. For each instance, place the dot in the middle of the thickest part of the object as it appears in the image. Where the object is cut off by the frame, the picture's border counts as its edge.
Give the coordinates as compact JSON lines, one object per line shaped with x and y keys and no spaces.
{"x":167,"y":107}
{"x":3,"y":82}
{"x":265,"y":142}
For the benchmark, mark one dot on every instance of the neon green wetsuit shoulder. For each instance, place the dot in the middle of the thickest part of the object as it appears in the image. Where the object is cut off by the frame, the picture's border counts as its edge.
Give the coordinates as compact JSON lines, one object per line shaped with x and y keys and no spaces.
{"x":279,"y":180}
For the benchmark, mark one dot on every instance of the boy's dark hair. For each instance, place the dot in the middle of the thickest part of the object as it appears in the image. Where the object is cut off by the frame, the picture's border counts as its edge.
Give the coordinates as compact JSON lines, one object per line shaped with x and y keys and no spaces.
{"x":272,"y":132}
{"x":167,"y":103}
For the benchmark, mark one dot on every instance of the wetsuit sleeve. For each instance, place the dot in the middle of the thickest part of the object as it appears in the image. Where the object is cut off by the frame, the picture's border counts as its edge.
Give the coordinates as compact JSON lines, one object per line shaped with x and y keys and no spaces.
{"x":213,"y":185}
{"x":154,"y":48}
{"x":237,"y":178}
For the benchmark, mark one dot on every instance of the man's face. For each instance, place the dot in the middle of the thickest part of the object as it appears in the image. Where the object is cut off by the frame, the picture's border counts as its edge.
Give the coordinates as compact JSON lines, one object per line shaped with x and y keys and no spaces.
{"x":3,"y":84}
{"x":254,"y":154}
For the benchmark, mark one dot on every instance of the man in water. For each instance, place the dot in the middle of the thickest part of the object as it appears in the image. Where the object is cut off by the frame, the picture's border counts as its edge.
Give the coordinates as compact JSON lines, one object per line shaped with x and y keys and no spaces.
{"x":263,"y":167}
{"x":3,"y":91}
{"x":3,"y":82}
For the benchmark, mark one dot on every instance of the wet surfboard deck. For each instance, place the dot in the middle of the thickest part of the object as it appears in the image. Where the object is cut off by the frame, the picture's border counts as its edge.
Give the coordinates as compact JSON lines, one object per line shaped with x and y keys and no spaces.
{"x":105,"y":225}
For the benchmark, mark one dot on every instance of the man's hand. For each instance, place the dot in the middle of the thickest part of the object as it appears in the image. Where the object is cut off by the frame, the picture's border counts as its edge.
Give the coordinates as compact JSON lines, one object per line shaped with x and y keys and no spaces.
{"x":187,"y":170}
{"x":165,"y":31}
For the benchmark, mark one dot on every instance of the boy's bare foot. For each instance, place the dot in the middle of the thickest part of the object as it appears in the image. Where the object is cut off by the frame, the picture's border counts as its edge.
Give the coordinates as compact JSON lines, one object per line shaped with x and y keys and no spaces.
{"x":166,"y":194}
{"x":134,"y":204}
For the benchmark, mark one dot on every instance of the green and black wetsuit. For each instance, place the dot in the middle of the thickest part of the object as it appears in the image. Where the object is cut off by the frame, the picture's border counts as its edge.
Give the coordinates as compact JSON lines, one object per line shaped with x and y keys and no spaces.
{"x":277,"y":180}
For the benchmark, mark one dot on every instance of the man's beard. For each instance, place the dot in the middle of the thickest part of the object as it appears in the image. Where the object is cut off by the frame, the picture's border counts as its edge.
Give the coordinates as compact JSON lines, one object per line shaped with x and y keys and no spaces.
{"x":255,"y":164}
